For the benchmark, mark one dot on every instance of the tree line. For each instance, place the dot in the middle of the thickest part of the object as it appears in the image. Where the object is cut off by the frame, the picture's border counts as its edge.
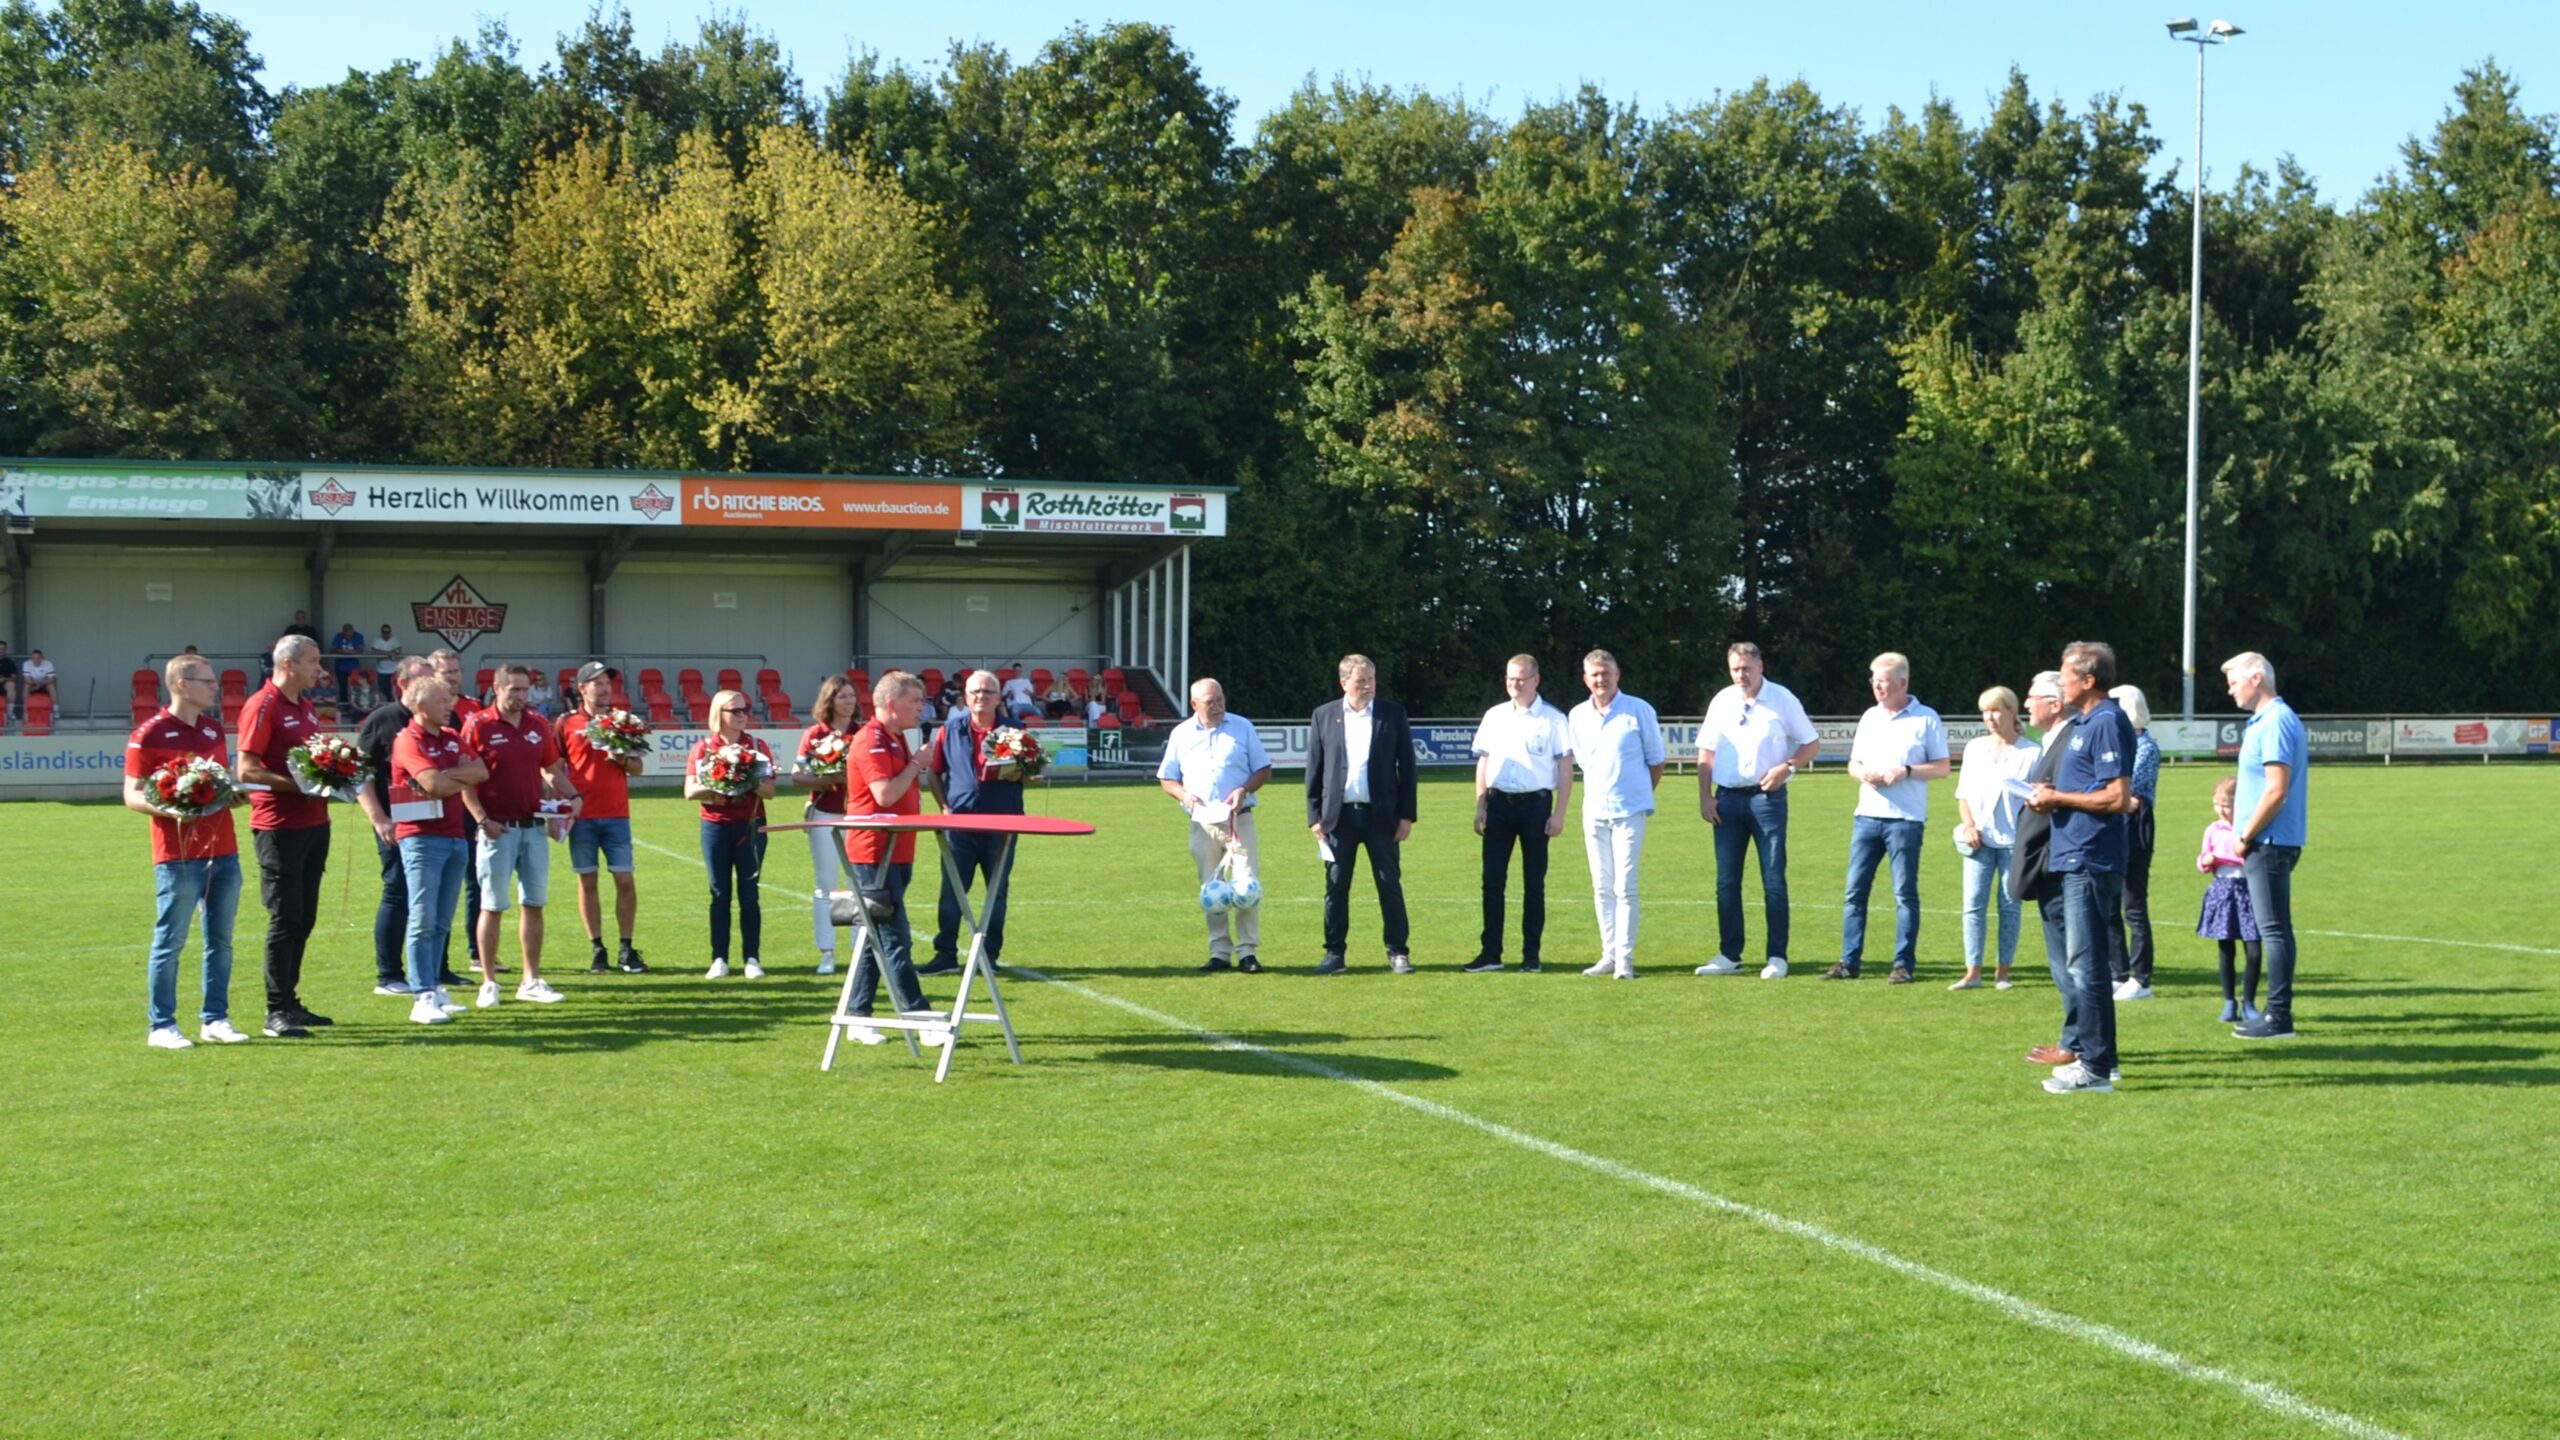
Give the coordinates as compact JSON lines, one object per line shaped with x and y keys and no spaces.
{"x":1759,"y":367}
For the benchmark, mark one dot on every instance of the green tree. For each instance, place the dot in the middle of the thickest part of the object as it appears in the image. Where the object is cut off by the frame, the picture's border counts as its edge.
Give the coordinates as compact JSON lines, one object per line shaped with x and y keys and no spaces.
{"x":161,"y":75}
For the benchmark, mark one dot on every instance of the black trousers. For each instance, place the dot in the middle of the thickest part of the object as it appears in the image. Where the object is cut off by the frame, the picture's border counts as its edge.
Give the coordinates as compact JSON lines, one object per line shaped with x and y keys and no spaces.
{"x":2129,"y":947}
{"x":290,"y":864}
{"x":1522,"y":818}
{"x":1386,"y":870}
{"x":391,"y":918}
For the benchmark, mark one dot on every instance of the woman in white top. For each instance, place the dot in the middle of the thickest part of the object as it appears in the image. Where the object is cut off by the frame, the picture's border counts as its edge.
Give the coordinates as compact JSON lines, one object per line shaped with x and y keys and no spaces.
{"x":1990,"y":789}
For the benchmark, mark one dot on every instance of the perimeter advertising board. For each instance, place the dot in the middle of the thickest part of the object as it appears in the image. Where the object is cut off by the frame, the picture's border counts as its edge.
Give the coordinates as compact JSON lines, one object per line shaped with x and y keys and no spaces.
{"x":1090,"y":510}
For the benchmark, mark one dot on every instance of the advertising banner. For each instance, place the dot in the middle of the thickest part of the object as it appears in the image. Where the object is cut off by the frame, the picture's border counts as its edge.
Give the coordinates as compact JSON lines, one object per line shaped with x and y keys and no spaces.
{"x":2441,"y":737}
{"x":1090,"y":510}
{"x":720,"y":500}
{"x":76,"y":491}
{"x":27,"y":762}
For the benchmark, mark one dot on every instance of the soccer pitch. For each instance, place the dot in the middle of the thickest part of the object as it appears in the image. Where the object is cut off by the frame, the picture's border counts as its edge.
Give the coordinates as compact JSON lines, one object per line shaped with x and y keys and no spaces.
{"x":1435,"y":1205}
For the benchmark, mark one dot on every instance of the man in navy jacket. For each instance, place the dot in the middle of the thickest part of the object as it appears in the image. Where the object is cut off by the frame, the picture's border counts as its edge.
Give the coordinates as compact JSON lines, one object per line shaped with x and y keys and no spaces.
{"x":1360,"y":793}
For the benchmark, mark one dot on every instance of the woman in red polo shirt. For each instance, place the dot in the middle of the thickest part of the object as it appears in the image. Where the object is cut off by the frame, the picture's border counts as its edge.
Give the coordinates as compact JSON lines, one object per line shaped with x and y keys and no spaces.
{"x":732,"y":833}
{"x":839,"y":713}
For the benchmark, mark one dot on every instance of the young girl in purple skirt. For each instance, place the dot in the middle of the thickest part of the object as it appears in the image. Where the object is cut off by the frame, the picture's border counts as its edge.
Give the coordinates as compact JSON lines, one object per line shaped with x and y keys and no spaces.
{"x":2226,"y":917}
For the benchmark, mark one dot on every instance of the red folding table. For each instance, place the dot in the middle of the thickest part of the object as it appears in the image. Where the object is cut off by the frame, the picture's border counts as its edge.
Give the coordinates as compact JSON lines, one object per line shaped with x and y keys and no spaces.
{"x":941,"y":1029}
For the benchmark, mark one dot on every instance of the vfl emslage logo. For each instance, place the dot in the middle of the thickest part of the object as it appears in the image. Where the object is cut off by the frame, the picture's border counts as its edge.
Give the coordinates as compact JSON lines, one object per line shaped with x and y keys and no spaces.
{"x":653,"y":502}
{"x":458,"y":614}
{"x":331,"y":496}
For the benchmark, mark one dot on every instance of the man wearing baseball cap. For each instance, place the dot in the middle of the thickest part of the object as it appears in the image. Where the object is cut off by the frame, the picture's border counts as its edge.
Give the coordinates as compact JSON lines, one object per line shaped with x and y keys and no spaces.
{"x":602,"y":830}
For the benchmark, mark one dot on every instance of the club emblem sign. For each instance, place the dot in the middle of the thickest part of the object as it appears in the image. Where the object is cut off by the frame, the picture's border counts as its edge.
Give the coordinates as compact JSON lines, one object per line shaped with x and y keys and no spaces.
{"x":653,"y":502}
{"x":332,"y":497}
{"x":458,"y":614}
{"x":999,"y":509}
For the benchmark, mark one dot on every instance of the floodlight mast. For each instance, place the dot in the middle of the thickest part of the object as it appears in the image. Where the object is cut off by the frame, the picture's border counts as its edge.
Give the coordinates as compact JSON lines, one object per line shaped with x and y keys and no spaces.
{"x":2213,"y":34}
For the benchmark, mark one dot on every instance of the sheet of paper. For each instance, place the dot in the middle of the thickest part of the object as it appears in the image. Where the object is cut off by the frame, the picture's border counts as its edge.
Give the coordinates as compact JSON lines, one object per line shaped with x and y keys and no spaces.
{"x":1324,"y":849}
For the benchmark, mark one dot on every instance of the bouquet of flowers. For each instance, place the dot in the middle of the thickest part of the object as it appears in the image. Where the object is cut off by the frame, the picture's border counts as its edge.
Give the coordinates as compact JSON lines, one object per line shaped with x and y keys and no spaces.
{"x":620,"y":734}
{"x":1015,"y":754}
{"x":192,"y":788}
{"x":732,"y":769}
{"x":330,"y":765}
{"x":825,"y":760}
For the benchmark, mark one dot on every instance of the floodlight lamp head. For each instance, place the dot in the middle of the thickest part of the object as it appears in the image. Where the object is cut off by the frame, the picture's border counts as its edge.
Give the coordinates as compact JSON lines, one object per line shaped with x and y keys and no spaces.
{"x":2181,"y":27}
{"x":2223,"y":29}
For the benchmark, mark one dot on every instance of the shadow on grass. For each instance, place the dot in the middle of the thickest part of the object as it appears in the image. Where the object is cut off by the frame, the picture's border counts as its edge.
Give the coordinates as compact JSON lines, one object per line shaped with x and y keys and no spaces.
{"x":2385,"y":991}
{"x":598,"y":1020}
{"x":1204,"y":1057}
{"x":2456,"y":1021}
{"x":2282,"y":1063}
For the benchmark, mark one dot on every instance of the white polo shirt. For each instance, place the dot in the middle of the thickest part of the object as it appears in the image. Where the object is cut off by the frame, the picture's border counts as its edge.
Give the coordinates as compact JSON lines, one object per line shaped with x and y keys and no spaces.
{"x":1746,"y":737}
{"x":1524,"y":745}
{"x":1617,"y":751}
{"x":1886,"y":738}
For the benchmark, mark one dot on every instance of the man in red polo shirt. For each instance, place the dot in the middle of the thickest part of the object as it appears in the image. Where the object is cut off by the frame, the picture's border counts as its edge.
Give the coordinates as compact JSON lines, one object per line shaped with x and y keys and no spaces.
{"x":891,"y":769}
{"x":192,"y":861}
{"x":448,"y":663}
{"x":514,"y":842}
{"x":291,"y":829}
{"x":602,"y":830}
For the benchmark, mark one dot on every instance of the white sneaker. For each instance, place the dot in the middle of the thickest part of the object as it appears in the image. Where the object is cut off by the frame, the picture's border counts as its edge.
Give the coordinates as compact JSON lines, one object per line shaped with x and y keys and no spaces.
{"x":754,"y":971}
{"x":826,"y":962}
{"x":168,"y":1038}
{"x":1720,"y":966}
{"x":719,"y":971}
{"x":2133,"y":990}
{"x":488,"y":995}
{"x":425,"y":1011}
{"x":539,"y":992}
{"x":1776,"y":969}
{"x":2123,"y":991}
{"x":1626,"y":972}
{"x":1605,"y":967}
{"x":2075,"y":1078}
{"x":2002,"y":984}
{"x":221,"y":1032}
{"x":865,"y":1034}
{"x":394,"y":987}
{"x":444,"y":1001}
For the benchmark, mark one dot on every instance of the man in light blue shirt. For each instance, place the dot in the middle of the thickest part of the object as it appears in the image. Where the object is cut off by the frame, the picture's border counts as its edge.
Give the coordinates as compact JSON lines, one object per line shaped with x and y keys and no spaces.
{"x":1619,"y":743}
{"x":2272,"y":815}
{"x":1213,"y":762}
{"x":1900,"y":747}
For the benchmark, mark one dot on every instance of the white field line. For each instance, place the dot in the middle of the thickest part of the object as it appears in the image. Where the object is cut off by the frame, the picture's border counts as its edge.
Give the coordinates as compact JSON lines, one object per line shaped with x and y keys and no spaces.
{"x":2107,"y":1337}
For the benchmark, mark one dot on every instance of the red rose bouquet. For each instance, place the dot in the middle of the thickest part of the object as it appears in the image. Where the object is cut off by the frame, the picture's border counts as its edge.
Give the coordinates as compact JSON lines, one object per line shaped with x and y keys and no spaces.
{"x":192,"y":788}
{"x":620,"y":734}
{"x":733,"y":769}
{"x":330,"y":765}
{"x":1015,"y":754}
{"x":825,"y":760}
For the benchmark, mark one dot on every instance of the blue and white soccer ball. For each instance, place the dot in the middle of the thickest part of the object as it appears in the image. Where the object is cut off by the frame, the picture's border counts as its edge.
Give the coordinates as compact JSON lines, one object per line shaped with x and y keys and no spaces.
{"x":1217,"y":897}
{"x":1248,"y":893}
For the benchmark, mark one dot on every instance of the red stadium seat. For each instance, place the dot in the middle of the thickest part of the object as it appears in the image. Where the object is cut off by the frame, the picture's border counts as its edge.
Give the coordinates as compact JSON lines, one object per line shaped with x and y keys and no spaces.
{"x":1005,"y":675}
{"x":39,"y":714}
{"x":1080,"y":681}
{"x":568,"y":680}
{"x":621,"y":697}
{"x":1041,"y":680}
{"x":146,"y":682}
{"x":483,"y":678}
{"x":730,"y":679}
{"x":1130,"y":710}
{"x":780,"y":708}
{"x":235,"y":683}
{"x":931,"y":677}
{"x":768,"y":679}
{"x":653,"y":681}
{"x":1114,"y":680}
{"x":1108,"y":721}
{"x":699,"y":707}
{"x":231,"y":711}
{"x":689,"y":682}
{"x":144,"y":709}
{"x":662,"y":711}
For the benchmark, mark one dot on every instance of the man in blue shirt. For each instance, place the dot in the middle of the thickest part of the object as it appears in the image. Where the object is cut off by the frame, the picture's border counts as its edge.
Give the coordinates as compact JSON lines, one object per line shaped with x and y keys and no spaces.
{"x":964,"y":783}
{"x":2088,"y":797}
{"x":1618,"y":739}
{"x":2272,"y":813}
{"x":348,"y":646}
{"x":1213,"y":762}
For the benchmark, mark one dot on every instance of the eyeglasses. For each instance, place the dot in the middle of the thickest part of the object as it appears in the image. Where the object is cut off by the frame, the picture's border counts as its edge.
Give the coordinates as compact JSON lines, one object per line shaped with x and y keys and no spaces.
{"x":733,"y":709}
{"x":196,"y":680}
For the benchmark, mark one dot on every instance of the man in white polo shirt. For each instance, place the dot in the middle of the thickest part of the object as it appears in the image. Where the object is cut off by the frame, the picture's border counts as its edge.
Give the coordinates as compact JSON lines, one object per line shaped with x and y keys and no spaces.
{"x":1901,"y":746}
{"x":1217,"y":760}
{"x":1524,"y":776}
{"x":1755,"y":738}
{"x":1619,"y":743}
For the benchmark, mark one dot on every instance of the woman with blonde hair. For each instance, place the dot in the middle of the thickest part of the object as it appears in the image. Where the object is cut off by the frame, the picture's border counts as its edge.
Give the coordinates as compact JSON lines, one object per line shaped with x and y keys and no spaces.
{"x":732,"y":832}
{"x":837,"y":712}
{"x":1990,"y":789}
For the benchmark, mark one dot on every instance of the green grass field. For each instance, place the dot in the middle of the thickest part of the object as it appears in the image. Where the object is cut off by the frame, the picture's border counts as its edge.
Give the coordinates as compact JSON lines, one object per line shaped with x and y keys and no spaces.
{"x":646,"y":1211}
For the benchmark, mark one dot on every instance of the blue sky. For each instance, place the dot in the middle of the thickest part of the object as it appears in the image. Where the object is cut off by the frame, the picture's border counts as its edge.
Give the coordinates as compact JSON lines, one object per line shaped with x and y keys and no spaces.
{"x":2338,"y":85}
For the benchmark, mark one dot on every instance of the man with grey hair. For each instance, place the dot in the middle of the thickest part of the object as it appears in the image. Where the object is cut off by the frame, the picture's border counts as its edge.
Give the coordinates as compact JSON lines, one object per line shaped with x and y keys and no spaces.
{"x":1901,"y":746}
{"x":290,"y":828}
{"x":1618,"y":741}
{"x":1360,"y":794}
{"x":2087,"y":795}
{"x":965,"y":783}
{"x":1213,"y":763}
{"x":2271,"y":818}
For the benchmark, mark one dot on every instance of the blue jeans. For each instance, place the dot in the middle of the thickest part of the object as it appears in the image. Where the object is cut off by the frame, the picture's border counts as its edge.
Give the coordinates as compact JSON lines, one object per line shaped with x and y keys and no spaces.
{"x":433,"y":866}
{"x":180,"y":885}
{"x":2268,"y":871}
{"x":733,"y":851}
{"x":1741,"y":819}
{"x":887,"y":881}
{"x":973,"y":856}
{"x":1871,"y":840}
{"x":1986,"y":876}
{"x":2077,"y":922}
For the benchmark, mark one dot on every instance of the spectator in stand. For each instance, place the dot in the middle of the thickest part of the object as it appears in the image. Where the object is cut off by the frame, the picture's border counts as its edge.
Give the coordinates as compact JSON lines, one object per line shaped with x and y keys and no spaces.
{"x":9,"y":681}
{"x":514,"y":840}
{"x":448,"y":665}
{"x":1019,"y":702}
{"x":386,"y":654}
{"x":966,"y":783}
{"x":193,"y":862}
{"x":1094,"y":709}
{"x":302,"y":626}
{"x":2129,"y":946}
{"x":380,"y":731}
{"x":35,"y":677}
{"x":1060,"y":702}
{"x":361,"y":694}
{"x":1900,"y":747}
{"x":430,"y":768}
{"x":838,"y":711}
{"x":347,"y":646}
{"x":603,"y":826}
{"x":732,"y":835}
{"x":538,"y":695}
{"x":1991,"y":788}
{"x":954,"y":694}
{"x":891,"y":771}
{"x":291,"y":828}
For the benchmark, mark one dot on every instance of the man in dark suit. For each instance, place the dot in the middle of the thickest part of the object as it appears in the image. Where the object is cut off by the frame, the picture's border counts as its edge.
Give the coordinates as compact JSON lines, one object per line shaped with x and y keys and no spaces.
{"x":1360,"y":793}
